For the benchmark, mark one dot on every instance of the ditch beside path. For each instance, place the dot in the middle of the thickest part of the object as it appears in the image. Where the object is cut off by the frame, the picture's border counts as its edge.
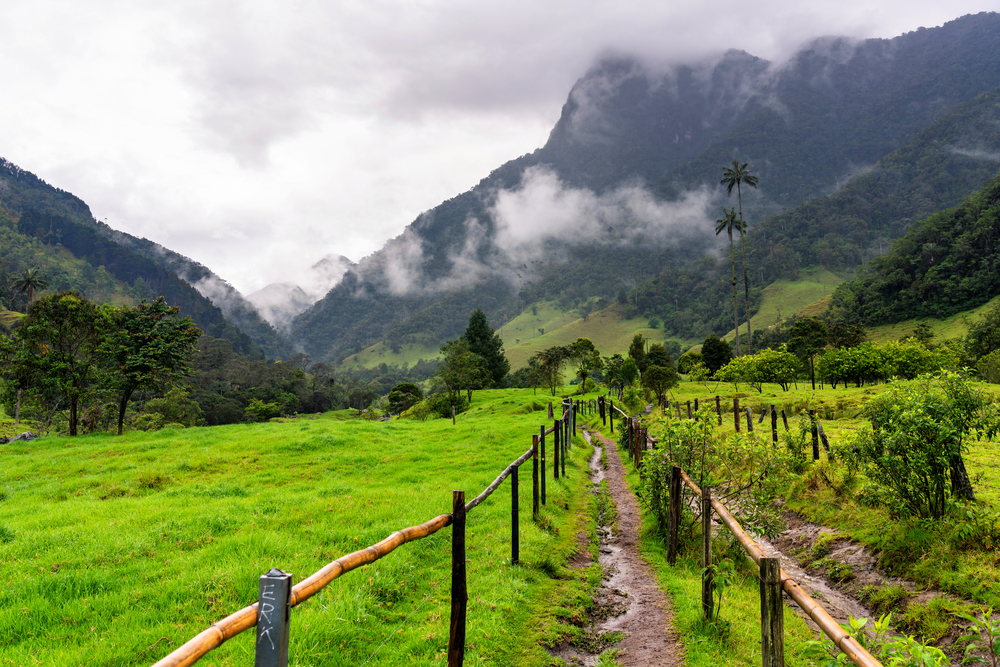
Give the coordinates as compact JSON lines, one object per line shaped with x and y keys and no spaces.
{"x":629,"y":587}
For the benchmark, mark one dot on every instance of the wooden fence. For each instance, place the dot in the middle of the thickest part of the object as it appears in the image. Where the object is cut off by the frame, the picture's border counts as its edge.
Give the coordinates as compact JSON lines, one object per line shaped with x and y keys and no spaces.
{"x":271,"y":613}
{"x":773,"y":579}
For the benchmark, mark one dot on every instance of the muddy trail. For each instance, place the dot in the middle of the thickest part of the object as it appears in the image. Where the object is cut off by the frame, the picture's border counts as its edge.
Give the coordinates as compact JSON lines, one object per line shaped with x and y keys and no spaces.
{"x":631,"y":614}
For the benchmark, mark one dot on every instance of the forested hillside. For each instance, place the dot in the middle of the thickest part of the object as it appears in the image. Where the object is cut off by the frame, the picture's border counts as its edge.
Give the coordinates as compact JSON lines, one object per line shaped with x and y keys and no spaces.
{"x":52,"y":229}
{"x":945,"y":264}
{"x":873,"y":122}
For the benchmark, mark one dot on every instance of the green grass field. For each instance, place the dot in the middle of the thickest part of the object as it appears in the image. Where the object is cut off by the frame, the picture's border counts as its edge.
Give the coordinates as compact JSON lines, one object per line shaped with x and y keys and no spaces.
{"x":116,"y":550}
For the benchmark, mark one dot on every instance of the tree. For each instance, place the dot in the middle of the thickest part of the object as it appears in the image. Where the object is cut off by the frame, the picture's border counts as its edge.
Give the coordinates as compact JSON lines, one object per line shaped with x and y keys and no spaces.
{"x":586,"y":357}
{"x":913,"y":451}
{"x":658,"y":356}
{"x":613,"y":372}
{"x":659,"y":380}
{"x":29,"y":281}
{"x":741,"y":174}
{"x":404,"y":396}
{"x":637,"y":351}
{"x":58,"y":347}
{"x":807,"y":338}
{"x":462,"y":369}
{"x":145,"y":347}
{"x":486,"y":342}
{"x":778,"y":366}
{"x":715,"y":353}
{"x":984,"y":335}
{"x":729,"y":223}
{"x":550,"y":363}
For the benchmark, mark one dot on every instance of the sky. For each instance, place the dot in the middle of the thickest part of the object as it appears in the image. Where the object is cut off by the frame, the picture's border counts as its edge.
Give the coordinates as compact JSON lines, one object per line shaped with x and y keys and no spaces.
{"x":258,"y":137}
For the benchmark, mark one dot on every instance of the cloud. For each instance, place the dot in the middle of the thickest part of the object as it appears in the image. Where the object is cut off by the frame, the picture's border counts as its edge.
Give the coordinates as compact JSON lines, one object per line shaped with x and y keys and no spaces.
{"x":543,"y":209}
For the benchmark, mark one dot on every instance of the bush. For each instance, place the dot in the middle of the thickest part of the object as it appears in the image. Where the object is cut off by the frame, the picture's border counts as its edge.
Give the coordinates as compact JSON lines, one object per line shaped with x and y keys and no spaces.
{"x":441,"y":404}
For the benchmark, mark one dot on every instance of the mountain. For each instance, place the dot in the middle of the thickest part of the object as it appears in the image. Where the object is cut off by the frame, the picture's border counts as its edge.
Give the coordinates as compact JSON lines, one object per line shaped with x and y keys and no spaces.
{"x":279,"y":303}
{"x":50,"y":228}
{"x":943,"y":265}
{"x":626,"y":189}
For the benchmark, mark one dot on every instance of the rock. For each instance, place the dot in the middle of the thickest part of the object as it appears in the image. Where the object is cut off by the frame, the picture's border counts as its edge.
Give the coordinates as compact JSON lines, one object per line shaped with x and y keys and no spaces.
{"x":26,"y":436}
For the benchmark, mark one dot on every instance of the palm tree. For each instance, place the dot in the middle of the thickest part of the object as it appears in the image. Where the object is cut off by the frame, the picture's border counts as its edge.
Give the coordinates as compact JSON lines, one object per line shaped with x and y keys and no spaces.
{"x":29,"y":281}
{"x":729,"y":223}
{"x":741,"y":174}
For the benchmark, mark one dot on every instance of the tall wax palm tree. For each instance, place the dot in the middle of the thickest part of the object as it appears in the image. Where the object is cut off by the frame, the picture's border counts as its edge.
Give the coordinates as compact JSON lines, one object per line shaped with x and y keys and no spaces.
{"x":729,"y":223}
{"x":741,"y":174}
{"x":29,"y":281}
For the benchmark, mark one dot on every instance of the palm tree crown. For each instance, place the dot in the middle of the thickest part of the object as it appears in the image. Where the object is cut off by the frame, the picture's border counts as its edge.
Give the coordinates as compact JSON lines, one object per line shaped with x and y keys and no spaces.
{"x":29,"y":281}
{"x":734,"y":177}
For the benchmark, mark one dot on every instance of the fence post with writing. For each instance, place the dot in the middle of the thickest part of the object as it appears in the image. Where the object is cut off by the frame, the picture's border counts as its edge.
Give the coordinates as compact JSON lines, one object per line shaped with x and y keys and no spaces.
{"x":273,"y":616}
{"x":534,"y":478}
{"x":514,"y":519}
{"x":674,"y":517}
{"x":707,"y":603}
{"x":459,"y":591}
{"x":772,"y":614}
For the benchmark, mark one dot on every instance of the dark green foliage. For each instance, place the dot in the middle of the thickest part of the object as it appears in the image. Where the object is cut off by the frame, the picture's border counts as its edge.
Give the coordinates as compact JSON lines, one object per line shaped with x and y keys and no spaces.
{"x":461,"y":369}
{"x":658,"y":356}
{"x":807,"y":338}
{"x":147,"y":347}
{"x":637,"y":352}
{"x":984,"y":334}
{"x":550,"y":364}
{"x":404,"y":396}
{"x":715,"y":353}
{"x":660,"y":380}
{"x":913,"y":452}
{"x":58,"y":349}
{"x":487,"y":344}
{"x":945,"y":264}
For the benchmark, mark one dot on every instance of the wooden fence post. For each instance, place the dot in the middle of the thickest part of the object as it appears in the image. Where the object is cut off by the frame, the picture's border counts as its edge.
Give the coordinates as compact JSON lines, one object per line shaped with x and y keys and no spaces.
{"x":556,"y":434}
{"x":534,"y":478}
{"x":550,"y":410}
{"x":696,"y":405}
{"x":822,"y":435}
{"x":749,"y":420}
{"x":784,"y":419}
{"x":774,"y":426}
{"x":763,"y":413}
{"x":565,"y":446}
{"x":736,"y":414}
{"x":718,"y":409}
{"x":815,"y":435}
{"x":453,"y":415}
{"x":611,"y":416}
{"x":674,"y":517}
{"x":772,"y":614}
{"x":707,"y":604}
{"x":541,"y":465}
{"x":459,"y":591}
{"x":515,"y":546}
{"x":689,"y":409}
{"x":274,"y":605}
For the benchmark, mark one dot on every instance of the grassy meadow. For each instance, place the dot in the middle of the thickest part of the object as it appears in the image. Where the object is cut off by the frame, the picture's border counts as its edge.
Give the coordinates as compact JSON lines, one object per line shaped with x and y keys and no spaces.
{"x":116,"y":550}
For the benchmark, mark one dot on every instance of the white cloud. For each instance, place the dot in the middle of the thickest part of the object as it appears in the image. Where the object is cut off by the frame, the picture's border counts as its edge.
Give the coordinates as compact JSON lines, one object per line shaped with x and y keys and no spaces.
{"x":258,"y":137}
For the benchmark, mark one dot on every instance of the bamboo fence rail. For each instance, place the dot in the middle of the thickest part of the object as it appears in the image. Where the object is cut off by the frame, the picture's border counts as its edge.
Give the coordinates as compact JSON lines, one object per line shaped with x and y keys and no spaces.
{"x":854,"y":651}
{"x":244,"y":619}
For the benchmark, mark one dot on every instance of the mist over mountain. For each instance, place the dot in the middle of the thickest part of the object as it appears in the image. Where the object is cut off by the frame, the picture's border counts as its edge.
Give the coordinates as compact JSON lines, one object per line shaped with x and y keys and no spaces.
{"x":44,"y":222}
{"x":627,"y":186}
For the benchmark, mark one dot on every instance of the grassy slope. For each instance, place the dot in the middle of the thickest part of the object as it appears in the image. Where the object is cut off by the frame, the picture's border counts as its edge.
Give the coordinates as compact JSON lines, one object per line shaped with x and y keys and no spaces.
{"x":607,"y":328}
{"x":118,"y":549}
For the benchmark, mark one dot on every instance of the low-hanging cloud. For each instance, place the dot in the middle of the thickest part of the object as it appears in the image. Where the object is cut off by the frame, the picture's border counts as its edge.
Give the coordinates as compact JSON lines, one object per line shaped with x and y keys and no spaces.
{"x":544,"y":208}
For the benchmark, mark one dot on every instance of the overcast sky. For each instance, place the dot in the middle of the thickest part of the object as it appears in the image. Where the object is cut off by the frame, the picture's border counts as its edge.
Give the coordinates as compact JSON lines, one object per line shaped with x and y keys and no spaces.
{"x":259,"y":136}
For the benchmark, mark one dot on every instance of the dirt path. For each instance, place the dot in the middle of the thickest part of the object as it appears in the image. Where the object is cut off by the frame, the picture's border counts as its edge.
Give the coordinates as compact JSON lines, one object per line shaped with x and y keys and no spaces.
{"x":629,"y":600}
